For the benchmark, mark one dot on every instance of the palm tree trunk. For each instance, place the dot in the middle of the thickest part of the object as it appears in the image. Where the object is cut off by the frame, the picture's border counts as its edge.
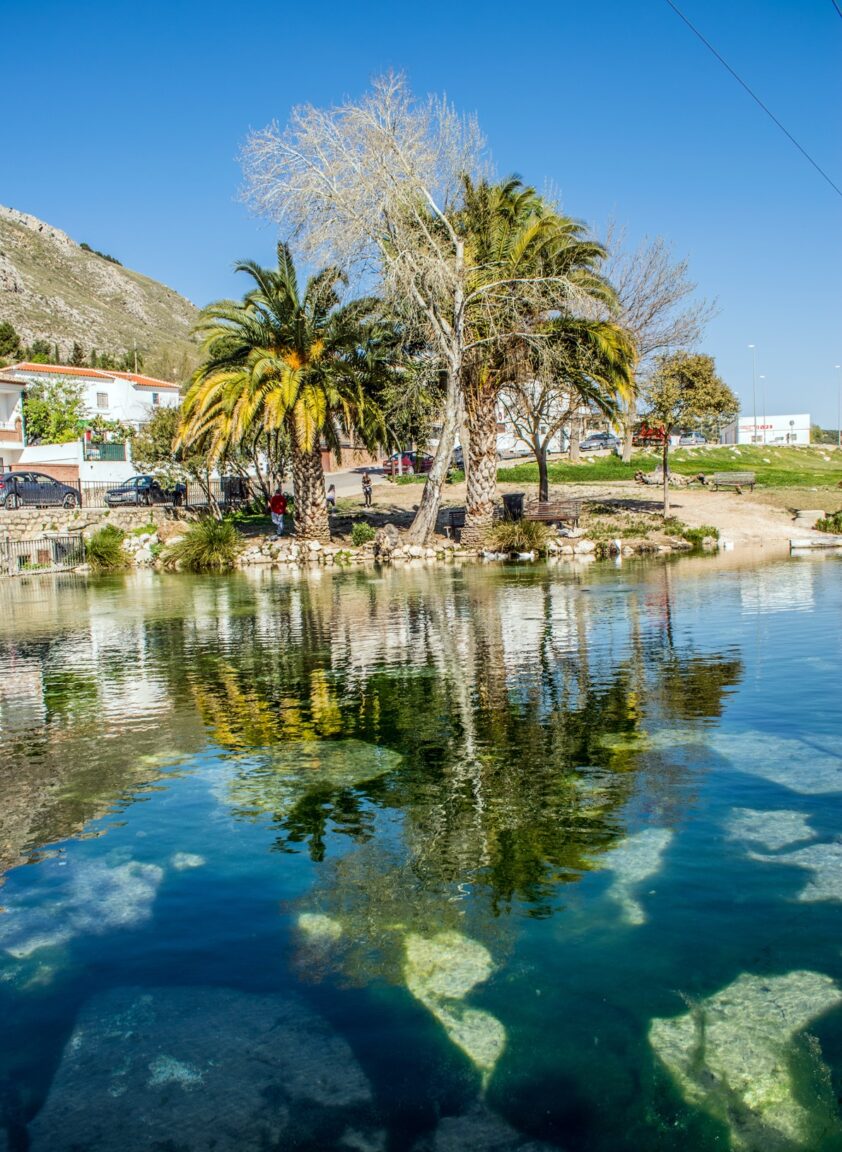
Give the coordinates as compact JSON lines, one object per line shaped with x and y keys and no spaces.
{"x":308,"y":478}
{"x":482,"y":468}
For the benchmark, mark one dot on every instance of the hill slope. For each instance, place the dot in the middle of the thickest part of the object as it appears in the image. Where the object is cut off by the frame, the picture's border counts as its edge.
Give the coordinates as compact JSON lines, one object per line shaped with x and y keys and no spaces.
{"x":53,"y":289}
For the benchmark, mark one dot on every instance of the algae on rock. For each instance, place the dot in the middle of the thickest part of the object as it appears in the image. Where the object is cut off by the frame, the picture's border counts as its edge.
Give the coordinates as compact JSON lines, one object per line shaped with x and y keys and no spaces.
{"x":440,"y":971}
{"x":732,"y":1055}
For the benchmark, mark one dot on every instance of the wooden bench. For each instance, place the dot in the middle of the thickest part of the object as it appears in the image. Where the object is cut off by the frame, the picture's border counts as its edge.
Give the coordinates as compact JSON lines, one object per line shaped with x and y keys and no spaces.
{"x":554,"y":511}
{"x":454,"y":523}
{"x":737,"y":480}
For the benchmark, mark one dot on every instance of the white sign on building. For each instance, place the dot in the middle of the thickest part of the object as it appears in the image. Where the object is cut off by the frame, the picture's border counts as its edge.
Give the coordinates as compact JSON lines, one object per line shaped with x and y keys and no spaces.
{"x":769,"y":430}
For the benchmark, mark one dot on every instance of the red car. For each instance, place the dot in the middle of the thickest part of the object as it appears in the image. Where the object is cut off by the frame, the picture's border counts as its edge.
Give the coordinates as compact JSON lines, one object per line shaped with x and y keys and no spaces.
{"x":410,"y":462}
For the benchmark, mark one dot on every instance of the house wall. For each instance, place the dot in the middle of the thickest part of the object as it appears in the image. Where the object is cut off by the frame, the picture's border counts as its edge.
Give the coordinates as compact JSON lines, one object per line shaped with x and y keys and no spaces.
{"x":66,"y":462}
{"x":124,"y":400}
{"x":788,"y":429}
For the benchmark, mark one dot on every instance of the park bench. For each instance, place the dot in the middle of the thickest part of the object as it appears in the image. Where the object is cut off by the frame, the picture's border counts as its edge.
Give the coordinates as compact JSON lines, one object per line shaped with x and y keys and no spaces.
{"x":554,"y":511}
{"x":454,"y":523}
{"x":737,"y":480}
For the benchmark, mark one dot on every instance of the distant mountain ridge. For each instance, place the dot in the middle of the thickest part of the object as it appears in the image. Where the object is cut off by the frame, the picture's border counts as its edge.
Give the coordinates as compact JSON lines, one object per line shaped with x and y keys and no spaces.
{"x":51,"y":288}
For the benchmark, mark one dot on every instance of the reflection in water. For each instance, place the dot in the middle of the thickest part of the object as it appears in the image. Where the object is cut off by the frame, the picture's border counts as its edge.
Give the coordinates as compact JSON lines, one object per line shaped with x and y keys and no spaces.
{"x":483,"y":803}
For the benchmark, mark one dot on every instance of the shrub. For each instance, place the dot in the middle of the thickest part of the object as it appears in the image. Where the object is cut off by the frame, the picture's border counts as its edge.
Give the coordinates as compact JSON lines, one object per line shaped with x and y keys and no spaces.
{"x":831,"y":523}
{"x":104,"y":549}
{"x":208,"y":546}
{"x":361,"y":533}
{"x":519,"y":536}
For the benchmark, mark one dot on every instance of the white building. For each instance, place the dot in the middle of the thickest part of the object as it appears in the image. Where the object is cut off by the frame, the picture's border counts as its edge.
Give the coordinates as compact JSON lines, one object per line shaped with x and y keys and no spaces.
{"x":126,"y":396}
{"x":11,"y":420}
{"x":768,"y":430}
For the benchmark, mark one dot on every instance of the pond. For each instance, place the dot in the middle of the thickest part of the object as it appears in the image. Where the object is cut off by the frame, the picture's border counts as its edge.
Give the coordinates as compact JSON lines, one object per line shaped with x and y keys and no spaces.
{"x":502,"y":857}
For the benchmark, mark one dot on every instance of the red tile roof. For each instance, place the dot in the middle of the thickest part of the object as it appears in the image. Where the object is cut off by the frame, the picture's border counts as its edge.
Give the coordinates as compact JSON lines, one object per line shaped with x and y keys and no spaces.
{"x":95,"y":374}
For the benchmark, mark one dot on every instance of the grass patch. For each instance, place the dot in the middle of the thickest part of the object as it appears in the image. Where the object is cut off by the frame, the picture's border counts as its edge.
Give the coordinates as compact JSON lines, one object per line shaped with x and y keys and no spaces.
{"x":104,"y":549}
{"x":519,"y":536}
{"x":144,"y":529}
{"x":774,"y":467}
{"x":831,"y":523}
{"x":208,"y":546}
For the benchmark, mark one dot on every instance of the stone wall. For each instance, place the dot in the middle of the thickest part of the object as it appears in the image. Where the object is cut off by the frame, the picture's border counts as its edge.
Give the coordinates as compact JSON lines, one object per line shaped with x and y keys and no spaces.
{"x":29,"y":523}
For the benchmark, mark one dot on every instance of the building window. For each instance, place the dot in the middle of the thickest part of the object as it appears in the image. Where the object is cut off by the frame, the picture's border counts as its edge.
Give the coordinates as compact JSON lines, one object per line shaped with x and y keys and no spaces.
{"x":156,"y":398}
{"x":102,"y":399}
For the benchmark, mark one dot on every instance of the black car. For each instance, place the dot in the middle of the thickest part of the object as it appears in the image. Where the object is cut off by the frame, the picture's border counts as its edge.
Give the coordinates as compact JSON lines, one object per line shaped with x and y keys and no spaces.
{"x":35,"y":488}
{"x":144,"y":490}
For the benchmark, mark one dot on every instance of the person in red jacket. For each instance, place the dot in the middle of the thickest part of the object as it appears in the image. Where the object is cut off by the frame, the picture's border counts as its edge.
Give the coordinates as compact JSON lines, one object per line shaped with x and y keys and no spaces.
{"x":278,"y":507}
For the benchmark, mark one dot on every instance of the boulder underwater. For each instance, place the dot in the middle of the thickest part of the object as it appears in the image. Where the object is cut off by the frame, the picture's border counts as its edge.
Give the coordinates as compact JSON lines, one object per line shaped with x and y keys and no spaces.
{"x":823,"y":860}
{"x":440,"y":971}
{"x":478,"y":1130}
{"x":773,"y":829}
{"x":93,"y":899}
{"x":273,"y":784}
{"x":634,"y":860}
{"x":732,"y":1055}
{"x":200,"y":1068}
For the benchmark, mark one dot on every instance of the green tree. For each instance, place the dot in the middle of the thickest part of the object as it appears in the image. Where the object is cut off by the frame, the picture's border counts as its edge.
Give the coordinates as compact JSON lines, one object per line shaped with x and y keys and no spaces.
{"x":77,"y":355}
{"x":280,"y":359}
{"x":10,"y":345}
{"x":526,"y":263}
{"x":685,"y":393}
{"x":54,"y":411}
{"x":154,"y":450}
{"x":39,"y":352}
{"x":93,"y":362}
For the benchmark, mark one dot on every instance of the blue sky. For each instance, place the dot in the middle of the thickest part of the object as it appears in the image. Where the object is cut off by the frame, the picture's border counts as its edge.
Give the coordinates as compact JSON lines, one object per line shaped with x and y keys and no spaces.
{"x":123,"y":124}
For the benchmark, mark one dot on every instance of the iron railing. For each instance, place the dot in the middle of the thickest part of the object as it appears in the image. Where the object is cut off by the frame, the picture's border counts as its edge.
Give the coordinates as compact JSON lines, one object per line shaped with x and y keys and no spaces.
{"x":229,"y":492}
{"x":52,"y":552}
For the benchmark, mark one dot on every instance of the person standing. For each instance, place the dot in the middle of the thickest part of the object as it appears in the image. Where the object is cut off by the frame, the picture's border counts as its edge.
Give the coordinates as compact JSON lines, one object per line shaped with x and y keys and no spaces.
{"x":278,"y":507}
{"x":331,"y":498}
{"x":366,"y":489}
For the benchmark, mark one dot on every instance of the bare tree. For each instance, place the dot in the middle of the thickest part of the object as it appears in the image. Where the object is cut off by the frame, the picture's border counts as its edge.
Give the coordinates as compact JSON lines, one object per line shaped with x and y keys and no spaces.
{"x":372,"y":184}
{"x":657,"y":306}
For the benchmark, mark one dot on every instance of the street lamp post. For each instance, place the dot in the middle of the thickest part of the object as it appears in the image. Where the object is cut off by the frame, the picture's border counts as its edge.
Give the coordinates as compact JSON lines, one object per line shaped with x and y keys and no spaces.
{"x":754,"y":391}
{"x":762,"y":380}
{"x":838,"y":368}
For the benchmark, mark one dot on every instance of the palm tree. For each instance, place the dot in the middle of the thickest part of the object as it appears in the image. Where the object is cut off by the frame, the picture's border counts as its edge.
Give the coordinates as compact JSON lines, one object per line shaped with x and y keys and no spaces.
{"x":537,"y":293}
{"x":280,"y":359}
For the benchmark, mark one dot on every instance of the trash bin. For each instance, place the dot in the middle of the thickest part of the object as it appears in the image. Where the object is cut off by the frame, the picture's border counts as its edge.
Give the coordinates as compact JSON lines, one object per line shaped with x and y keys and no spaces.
{"x":513,"y":504}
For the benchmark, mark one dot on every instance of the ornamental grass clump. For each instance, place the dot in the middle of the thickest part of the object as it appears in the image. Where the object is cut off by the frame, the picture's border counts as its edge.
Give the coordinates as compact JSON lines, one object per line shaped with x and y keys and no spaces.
{"x":104,"y":549}
{"x":831,"y":523}
{"x":519,"y":536}
{"x":207,"y":546}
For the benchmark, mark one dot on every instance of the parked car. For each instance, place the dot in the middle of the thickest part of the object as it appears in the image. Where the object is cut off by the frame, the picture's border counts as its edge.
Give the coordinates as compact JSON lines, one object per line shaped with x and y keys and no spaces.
{"x":647,"y":436}
{"x":17,"y":488}
{"x":410,"y":462}
{"x":597,"y":440}
{"x":144,"y":490}
{"x":691,"y":439}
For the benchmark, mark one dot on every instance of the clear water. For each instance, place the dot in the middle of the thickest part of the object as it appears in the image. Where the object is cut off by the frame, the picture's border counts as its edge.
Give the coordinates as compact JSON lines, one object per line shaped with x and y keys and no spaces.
{"x":492,"y":858}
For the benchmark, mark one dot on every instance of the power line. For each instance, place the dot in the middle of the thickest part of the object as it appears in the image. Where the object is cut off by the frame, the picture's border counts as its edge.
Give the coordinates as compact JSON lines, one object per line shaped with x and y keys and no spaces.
{"x":756,"y":98}
{"x":835,"y":4}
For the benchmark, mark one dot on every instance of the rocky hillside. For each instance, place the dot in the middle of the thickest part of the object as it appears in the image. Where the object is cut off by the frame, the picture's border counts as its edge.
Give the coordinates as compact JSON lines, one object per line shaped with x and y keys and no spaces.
{"x":53,"y":289}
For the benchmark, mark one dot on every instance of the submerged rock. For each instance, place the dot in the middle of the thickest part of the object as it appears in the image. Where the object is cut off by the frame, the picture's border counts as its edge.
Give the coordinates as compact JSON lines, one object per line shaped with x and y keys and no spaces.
{"x":733,"y":1054}
{"x":198,"y":1069}
{"x":181,"y":861}
{"x":774,"y":829}
{"x":479,"y":1130}
{"x":274,"y":785}
{"x":634,"y":860}
{"x":801,"y":766}
{"x":440,"y":971}
{"x":94,"y":900}
{"x":319,"y":928}
{"x":823,"y":860}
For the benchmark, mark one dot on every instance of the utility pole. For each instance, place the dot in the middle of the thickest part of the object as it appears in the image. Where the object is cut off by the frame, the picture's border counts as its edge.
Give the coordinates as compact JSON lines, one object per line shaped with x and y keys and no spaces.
{"x":838,"y":368}
{"x":754,"y":391}
{"x":762,"y":380}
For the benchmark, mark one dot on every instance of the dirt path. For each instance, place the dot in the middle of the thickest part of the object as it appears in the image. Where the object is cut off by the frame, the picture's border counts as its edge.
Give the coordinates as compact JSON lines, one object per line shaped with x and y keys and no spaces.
{"x":741,"y":519}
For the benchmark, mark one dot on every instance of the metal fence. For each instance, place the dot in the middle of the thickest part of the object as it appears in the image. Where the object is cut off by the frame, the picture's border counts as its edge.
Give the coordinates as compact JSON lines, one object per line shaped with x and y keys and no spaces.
{"x":51,"y":552}
{"x":229,"y":492}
